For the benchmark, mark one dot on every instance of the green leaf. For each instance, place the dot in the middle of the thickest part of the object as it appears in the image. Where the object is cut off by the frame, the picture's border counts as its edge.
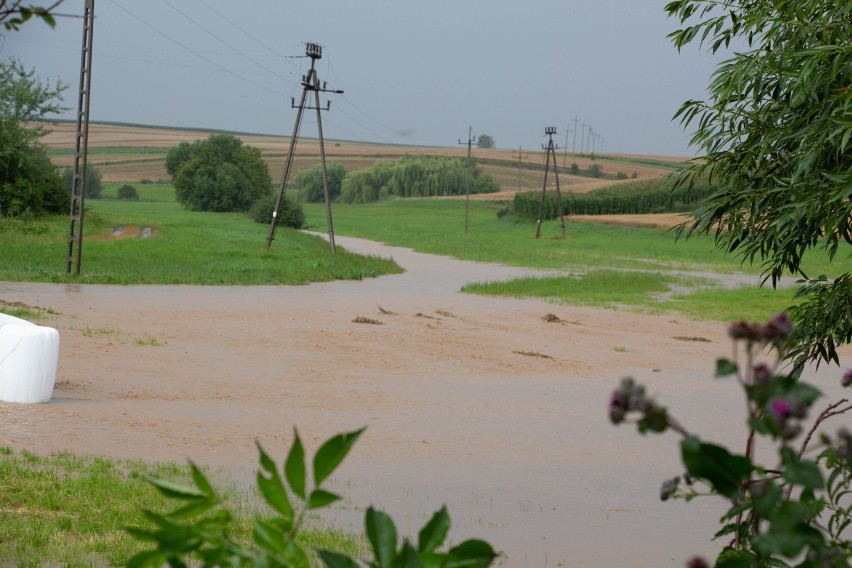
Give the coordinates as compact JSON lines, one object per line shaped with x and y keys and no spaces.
{"x":147,"y":559}
{"x":174,"y":491}
{"x":433,"y":534}
{"x":408,"y":557}
{"x":268,"y":537}
{"x":272,"y":488}
{"x":335,"y":560}
{"x":730,"y":558}
{"x":321,"y":498}
{"x":724,"y":471}
{"x":201,"y":480}
{"x":331,"y":453}
{"x":381,"y":533}
{"x":725,"y":367}
{"x":294,"y":556}
{"x":471,"y":553}
{"x":805,"y":473}
{"x":294,"y":468}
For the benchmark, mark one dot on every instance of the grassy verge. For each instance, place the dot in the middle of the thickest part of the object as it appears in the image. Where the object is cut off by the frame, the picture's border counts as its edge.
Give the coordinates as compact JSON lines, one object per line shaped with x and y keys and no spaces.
{"x":71,"y":510}
{"x":184,"y":247}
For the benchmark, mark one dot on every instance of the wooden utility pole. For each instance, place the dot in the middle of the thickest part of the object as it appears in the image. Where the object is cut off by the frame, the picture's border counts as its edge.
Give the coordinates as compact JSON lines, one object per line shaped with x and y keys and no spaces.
{"x":471,"y":140}
{"x":310,"y":82}
{"x":81,"y":145}
{"x":520,"y":157}
{"x":550,"y":151}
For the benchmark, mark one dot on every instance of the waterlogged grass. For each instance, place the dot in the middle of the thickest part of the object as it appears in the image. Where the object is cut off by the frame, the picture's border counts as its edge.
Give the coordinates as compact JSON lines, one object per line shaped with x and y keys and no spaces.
{"x":72,"y":510}
{"x":602,"y":288}
{"x":184,"y":247}
{"x":746,"y":303}
{"x":646,"y":292}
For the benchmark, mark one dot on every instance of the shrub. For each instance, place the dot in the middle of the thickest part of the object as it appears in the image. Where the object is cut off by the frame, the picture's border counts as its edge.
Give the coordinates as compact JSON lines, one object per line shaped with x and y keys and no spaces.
{"x":129,"y":192}
{"x":93,"y":185}
{"x":575,"y":169}
{"x":797,"y":509}
{"x":290,"y":215}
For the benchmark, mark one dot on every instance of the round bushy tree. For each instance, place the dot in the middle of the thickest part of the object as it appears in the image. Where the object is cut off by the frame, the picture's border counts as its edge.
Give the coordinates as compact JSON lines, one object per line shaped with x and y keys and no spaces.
{"x":218,"y":174}
{"x":127,"y":191}
{"x":93,"y":184}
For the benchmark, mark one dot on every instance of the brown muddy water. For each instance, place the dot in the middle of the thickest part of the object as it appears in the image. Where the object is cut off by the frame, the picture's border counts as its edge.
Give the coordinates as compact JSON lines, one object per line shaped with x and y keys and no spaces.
{"x":475,"y":402}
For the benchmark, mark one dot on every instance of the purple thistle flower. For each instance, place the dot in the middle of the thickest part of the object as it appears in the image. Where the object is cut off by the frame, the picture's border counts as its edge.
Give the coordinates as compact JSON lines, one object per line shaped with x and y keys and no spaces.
{"x":847,"y":378}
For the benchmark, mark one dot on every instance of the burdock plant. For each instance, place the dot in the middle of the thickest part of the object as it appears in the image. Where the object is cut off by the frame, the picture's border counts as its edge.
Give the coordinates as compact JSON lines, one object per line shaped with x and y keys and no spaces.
{"x":795,"y":512}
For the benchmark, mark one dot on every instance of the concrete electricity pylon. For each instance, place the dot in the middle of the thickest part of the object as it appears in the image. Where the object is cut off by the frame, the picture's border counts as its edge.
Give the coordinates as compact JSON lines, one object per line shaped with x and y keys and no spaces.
{"x":310,"y":82}
{"x":81,"y":145}
{"x":471,"y":140}
{"x":520,"y":157}
{"x":551,"y":148}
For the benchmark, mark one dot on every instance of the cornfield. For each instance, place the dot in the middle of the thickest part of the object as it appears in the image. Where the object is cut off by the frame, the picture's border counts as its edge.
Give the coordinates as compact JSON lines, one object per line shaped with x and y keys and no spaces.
{"x":642,"y":196}
{"x":414,"y":176}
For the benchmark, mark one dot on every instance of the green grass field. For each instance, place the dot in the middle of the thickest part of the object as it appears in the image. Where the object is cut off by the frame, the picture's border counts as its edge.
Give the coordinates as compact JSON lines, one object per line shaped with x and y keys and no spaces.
{"x":185,"y":248}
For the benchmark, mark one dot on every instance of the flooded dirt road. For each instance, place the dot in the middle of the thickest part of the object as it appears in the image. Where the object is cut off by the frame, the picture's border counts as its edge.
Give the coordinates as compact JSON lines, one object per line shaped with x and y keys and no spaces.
{"x":475,"y":402}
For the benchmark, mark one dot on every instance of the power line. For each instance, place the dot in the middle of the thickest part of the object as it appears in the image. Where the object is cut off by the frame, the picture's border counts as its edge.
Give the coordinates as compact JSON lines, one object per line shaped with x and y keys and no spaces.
{"x":225,"y":43}
{"x":192,"y":51}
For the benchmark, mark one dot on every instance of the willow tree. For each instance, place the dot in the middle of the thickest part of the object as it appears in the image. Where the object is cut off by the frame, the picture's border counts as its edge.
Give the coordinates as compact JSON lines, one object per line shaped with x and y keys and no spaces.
{"x":774,"y":137}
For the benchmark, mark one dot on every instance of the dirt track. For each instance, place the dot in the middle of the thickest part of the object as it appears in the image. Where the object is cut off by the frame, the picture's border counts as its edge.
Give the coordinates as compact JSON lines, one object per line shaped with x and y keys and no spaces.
{"x":474,"y":402}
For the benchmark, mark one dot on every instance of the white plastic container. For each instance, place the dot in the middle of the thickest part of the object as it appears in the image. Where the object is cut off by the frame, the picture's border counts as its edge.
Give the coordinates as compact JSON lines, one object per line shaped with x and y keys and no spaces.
{"x":29,"y":355}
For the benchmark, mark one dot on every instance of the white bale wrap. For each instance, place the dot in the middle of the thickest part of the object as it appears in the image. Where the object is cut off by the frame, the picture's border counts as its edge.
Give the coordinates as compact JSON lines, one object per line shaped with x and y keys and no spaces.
{"x":29,"y":355}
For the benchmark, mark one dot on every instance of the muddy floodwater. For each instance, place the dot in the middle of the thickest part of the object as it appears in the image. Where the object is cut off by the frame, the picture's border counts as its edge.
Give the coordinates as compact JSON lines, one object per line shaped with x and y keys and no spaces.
{"x":479,"y":403}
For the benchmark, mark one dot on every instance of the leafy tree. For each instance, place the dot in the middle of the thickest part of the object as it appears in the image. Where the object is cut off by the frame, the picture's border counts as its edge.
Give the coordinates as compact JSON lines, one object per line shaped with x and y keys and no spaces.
{"x":93,"y":186}
{"x":775,"y":138}
{"x":486,"y":141}
{"x":310,"y":182}
{"x":28,"y":181}
{"x":218,"y":174}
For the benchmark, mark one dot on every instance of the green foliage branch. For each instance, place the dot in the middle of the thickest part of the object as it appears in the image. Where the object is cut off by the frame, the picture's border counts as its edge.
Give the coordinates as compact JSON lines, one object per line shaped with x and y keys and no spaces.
{"x":14,"y":13}
{"x":797,"y":510}
{"x":218,"y":174}
{"x":196,"y":531}
{"x":29,"y":183}
{"x":775,"y":139}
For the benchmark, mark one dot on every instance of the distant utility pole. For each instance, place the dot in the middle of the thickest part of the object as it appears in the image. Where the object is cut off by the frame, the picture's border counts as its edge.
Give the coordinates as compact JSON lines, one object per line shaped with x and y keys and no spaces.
{"x":574,"y":144}
{"x":582,"y":136}
{"x":471,"y":140}
{"x":550,"y":151}
{"x":520,"y":157}
{"x":565,"y":149}
{"x":81,"y":145}
{"x":589,"y":144}
{"x":310,"y":82}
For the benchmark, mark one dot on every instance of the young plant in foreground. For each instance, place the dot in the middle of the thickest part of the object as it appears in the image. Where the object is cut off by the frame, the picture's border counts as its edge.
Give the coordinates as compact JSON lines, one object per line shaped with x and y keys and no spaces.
{"x":795,"y":511}
{"x":198,"y":529}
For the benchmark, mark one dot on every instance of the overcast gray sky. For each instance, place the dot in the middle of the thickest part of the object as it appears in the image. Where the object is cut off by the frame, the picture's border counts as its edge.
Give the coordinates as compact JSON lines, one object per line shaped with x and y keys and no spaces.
{"x":413,"y":72}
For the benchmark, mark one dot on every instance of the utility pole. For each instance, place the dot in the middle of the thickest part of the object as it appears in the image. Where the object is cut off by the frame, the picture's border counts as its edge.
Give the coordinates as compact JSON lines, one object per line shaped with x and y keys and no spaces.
{"x":471,"y":140}
{"x":81,"y":145}
{"x":574,"y":144}
{"x":550,"y":151}
{"x":565,"y":149}
{"x":520,"y":157}
{"x":310,"y":82}
{"x":589,"y":144}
